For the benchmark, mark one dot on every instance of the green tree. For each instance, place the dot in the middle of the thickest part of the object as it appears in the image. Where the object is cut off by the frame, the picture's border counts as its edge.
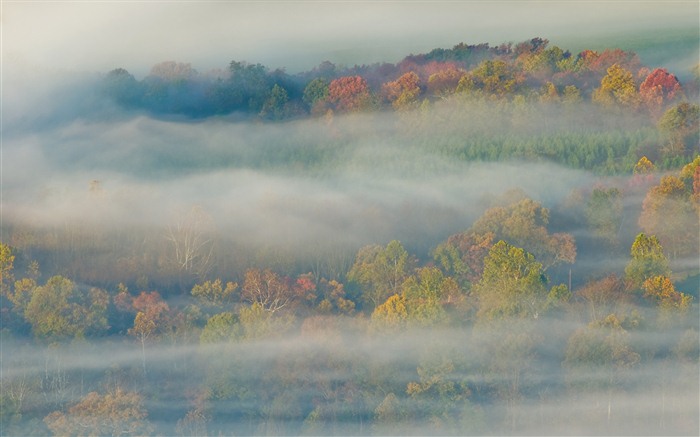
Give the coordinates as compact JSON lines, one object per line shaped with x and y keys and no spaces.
{"x":275,"y":106}
{"x":604,"y":214}
{"x":214,"y":294}
{"x":425,"y":292}
{"x":681,"y":126}
{"x":513,"y":284}
{"x":220,"y":328}
{"x":59,"y":309}
{"x":648,"y":260}
{"x":380,"y":271}
{"x":315,"y":96}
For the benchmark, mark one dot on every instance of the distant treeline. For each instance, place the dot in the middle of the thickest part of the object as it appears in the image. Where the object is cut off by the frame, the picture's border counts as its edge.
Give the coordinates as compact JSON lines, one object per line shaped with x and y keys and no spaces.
{"x":530,"y":69}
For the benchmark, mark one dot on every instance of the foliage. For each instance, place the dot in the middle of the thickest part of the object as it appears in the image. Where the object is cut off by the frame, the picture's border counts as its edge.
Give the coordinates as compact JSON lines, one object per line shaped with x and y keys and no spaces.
{"x":513,"y":284}
{"x":112,"y":414}
{"x":648,"y":260}
{"x":617,"y":88}
{"x":380,"y":271}
{"x":60,"y":309}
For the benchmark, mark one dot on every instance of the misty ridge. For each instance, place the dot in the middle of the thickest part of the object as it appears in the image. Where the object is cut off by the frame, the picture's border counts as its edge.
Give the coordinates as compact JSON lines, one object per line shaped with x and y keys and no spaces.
{"x":474,"y":241}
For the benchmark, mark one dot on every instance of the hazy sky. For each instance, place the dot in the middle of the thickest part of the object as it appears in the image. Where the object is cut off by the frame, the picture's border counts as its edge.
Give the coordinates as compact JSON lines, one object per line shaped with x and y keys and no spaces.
{"x":102,"y":35}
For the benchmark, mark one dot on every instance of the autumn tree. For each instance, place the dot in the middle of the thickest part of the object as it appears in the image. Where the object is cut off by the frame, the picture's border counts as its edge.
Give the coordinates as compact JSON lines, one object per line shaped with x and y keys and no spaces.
{"x":617,"y":88}
{"x":332,"y":298}
{"x":444,"y":82}
{"x":403,"y":92}
{"x":462,"y":256}
{"x":648,"y":260}
{"x":7,"y":259}
{"x":151,"y":317}
{"x":669,"y":212}
{"x":380,"y":271}
{"x":672,"y":304}
{"x":494,"y":78}
{"x":658,"y":89}
{"x":115,"y":413}
{"x":391,"y":315}
{"x":267,"y":289}
{"x":604,"y":296}
{"x":349,"y":94}
{"x":523,"y":223}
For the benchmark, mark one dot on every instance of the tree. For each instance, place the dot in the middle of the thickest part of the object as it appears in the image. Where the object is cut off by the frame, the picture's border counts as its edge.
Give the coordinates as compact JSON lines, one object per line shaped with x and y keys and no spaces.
{"x":604,"y":214}
{"x":391,"y":315}
{"x":247,"y":87}
{"x":599,"y":355}
{"x":659,"y":88}
{"x":444,"y":82}
{"x":266,"y":289}
{"x":462,"y":256}
{"x":121,"y":86}
{"x":617,"y":88}
{"x":349,"y":94}
{"x":315,"y":96}
{"x":524,"y":223}
{"x":426,"y":292}
{"x":605,"y":296}
{"x":7,"y":259}
{"x":59,"y":309}
{"x":681,"y":126}
{"x":115,"y":413}
{"x":648,"y":260}
{"x":403,"y":92}
{"x":669,"y":212}
{"x":380,"y":271}
{"x":495,"y":78}
{"x":214,"y":294}
{"x":672,"y":304}
{"x":221,"y":327}
{"x":275,"y":106}
{"x":513,"y":284}
{"x":150,"y":319}
{"x":191,"y":242}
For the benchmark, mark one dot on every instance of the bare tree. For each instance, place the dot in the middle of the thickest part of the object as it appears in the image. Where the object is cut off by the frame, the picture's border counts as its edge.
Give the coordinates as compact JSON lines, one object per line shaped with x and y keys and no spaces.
{"x":191,"y":242}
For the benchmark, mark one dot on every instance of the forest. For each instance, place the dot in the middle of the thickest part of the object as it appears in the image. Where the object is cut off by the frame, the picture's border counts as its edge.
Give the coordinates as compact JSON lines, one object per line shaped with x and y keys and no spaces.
{"x":482,"y":240}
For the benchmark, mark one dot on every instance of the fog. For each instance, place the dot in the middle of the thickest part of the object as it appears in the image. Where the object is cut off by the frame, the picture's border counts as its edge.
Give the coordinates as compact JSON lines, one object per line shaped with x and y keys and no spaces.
{"x":344,"y":375}
{"x":298,"y":35}
{"x":358,"y":180}
{"x":98,"y":194}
